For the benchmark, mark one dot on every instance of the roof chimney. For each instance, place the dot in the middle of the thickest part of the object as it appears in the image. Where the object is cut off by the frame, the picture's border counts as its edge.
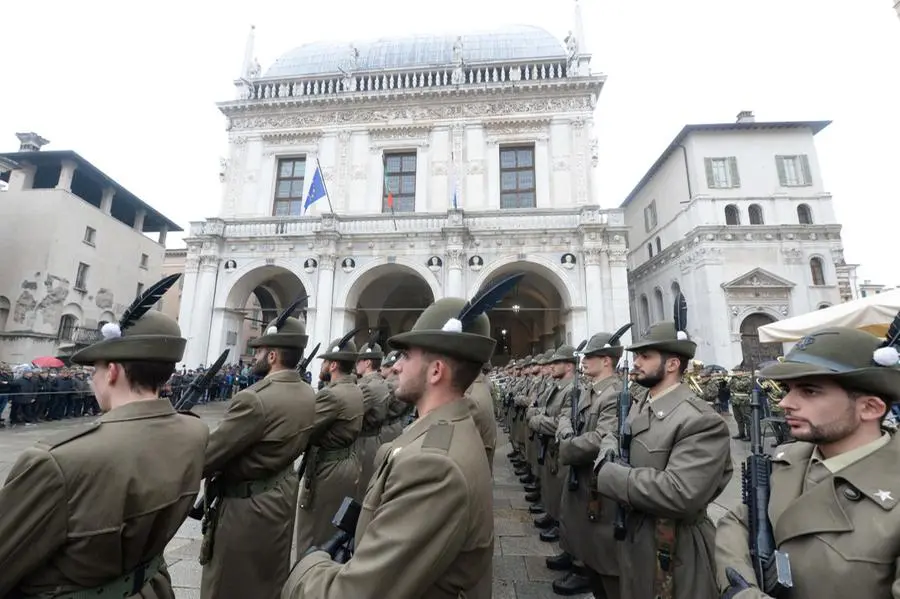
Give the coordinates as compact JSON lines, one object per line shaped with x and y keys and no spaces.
{"x":31,"y":142}
{"x":746,"y":116}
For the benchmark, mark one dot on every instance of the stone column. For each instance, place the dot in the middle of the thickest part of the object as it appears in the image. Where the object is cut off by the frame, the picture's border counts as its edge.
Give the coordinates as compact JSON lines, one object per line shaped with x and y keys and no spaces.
{"x":324,"y":299}
{"x":594,"y":291}
{"x":455,"y":284}
{"x":139,"y":216}
{"x":201,"y":320}
{"x":162,"y":235}
{"x":618,"y":292}
{"x":66,"y":173}
{"x":106,"y":200}
{"x":22,"y":178}
{"x":188,"y":295}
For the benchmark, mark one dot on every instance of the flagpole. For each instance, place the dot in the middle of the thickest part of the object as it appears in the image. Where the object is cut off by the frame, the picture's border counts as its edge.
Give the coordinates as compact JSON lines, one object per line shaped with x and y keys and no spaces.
{"x":384,"y":179}
{"x":325,"y":187}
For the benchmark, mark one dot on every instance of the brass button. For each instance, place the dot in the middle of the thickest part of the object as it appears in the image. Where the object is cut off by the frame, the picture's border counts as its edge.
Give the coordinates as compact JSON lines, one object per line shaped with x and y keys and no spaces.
{"x":852,"y":493}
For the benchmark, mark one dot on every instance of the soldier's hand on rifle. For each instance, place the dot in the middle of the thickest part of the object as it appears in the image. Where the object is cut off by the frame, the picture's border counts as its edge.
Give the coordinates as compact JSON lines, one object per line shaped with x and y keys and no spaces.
{"x":603,"y":459}
{"x":736,"y":584}
{"x":564,"y":434}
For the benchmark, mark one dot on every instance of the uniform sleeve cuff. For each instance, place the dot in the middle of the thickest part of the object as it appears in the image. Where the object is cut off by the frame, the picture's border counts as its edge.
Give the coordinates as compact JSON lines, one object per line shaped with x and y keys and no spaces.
{"x":612,"y":481}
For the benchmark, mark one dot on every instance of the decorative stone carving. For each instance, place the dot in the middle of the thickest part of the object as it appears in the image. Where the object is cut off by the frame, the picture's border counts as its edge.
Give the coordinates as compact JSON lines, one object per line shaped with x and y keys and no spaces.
{"x":567,"y":260}
{"x":455,"y":258}
{"x":315,"y":117}
{"x":209,"y":262}
{"x":783,"y":310}
{"x":458,"y":76}
{"x":326,"y":261}
{"x":595,"y":152}
{"x":440,"y":168}
{"x":475,"y":167}
{"x":223,"y":169}
{"x":192,"y":264}
{"x":617,"y":256}
{"x":417,"y":134}
{"x":348,"y":264}
{"x":310,"y":264}
{"x":758,"y":278}
{"x":292,"y":138}
{"x":591,"y":256}
{"x":476,"y":263}
{"x":434,"y":263}
{"x":792,"y":255}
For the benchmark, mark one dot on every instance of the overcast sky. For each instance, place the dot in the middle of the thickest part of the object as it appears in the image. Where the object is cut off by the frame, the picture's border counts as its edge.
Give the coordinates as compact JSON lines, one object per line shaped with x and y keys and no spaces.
{"x":132,"y":87}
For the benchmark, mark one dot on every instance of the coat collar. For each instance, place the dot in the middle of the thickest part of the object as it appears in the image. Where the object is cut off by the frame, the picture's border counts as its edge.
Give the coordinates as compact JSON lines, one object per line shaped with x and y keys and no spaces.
{"x":342,"y":379}
{"x":643,"y":412}
{"x":371,"y":375}
{"x":285,"y":376}
{"x":451,"y":412}
{"x":797,"y":513}
{"x":139,"y":410}
{"x":597,"y":388}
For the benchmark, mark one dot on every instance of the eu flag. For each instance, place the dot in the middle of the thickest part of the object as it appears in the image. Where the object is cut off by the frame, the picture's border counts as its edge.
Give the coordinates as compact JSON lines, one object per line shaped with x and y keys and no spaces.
{"x":316,"y":190}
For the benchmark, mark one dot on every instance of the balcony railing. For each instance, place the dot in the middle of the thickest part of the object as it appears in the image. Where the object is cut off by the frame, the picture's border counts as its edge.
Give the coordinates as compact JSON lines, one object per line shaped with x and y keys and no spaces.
{"x":81,"y":336}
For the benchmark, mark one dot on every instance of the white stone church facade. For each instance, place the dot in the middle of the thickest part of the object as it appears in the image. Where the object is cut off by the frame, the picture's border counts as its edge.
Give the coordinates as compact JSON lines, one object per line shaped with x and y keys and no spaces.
{"x":484,"y":141}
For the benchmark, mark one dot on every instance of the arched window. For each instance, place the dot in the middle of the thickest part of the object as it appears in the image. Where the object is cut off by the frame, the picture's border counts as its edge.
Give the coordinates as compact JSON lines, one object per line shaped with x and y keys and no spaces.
{"x":650,"y":249}
{"x":756,"y":215}
{"x":732,"y":216}
{"x":676,"y":289}
{"x":66,"y":328}
{"x":658,"y":245}
{"x":804,"y":215}
{"x":658,"y":304}
{"x":817,"y":269}
{"x":645,"y":311}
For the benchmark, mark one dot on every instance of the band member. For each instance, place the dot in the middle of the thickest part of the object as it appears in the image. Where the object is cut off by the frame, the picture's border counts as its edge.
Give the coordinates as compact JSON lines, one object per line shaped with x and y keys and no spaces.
{"x":834,"y":491}
{"x":89,"y":512}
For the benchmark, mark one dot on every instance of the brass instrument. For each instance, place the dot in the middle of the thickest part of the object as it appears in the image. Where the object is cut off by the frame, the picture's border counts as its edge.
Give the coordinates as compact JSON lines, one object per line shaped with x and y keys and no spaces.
{"x":694,"y":385}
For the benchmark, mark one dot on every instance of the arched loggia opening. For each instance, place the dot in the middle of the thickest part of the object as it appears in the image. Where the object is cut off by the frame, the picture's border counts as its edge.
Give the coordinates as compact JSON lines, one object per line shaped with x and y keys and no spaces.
{"x":753,"y":351}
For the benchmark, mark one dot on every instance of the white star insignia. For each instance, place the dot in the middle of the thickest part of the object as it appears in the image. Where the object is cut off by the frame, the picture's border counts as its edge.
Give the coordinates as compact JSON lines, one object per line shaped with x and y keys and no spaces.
{"x":779,"y":455}
{"x":660,"y":413}
{"x":884,"y":496}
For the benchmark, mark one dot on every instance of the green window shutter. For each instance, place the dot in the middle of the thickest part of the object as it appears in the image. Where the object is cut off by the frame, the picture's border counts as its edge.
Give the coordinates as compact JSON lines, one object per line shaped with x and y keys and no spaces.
{"x":804,"y":167}
{"x":710,"y":181}
{"x":733,"y":169}
{"x":779,"y":164}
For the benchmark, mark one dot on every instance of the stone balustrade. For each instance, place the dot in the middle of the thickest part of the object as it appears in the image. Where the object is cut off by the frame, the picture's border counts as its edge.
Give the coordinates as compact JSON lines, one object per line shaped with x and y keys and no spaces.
{"x":564,"y":219}
{"x":422,"y":79}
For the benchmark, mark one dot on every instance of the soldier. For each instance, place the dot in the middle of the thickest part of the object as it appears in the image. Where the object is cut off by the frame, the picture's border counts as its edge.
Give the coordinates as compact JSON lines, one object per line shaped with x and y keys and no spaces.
{"x":398,"y":412}
{"x":376,"y":393}
{"x":587,"y":519}
{"x":250,"y":468}
{"x":427,"y":527}
{"x":680,"y":462}
{"x":481,"y":405}
{"x":333,"y":469}
{"x":833,"y":492}
{"x":89,"y":512}
{"x":741,"y":386}
{"x":544,"y":424}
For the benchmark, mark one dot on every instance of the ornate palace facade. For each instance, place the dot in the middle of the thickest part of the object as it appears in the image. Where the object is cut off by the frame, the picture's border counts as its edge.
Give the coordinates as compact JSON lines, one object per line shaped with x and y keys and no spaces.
{"x":449,"y":161}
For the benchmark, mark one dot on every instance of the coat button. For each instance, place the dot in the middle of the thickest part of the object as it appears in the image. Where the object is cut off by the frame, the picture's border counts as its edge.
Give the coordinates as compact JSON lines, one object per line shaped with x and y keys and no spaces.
{"x":852,"y":493}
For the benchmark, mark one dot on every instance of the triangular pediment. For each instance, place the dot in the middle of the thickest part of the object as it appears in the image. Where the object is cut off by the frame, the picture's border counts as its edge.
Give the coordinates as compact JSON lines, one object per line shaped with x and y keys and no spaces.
{"x":758,"y":278}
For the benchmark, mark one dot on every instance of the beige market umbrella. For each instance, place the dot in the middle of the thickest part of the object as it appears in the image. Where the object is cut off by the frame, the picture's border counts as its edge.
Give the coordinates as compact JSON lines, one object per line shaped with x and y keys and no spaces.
{"x":873,"y":314}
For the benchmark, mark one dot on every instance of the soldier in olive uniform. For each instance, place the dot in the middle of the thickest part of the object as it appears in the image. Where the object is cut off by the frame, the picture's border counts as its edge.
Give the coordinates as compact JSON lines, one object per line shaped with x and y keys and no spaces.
{"x":545,"y":424}
{"x":481,"y":404}
{"x":376,"y":395}
{"x":587,"y":518}
{"x":835,"y":491}
{"x":89,"y":512}
{"x":333,"y":469}
{"x":398,"y":412}
{"x":250,"y":468}
{"x":427,"y":524}
{"x":741,"y":387}
{"x":680,"y":462}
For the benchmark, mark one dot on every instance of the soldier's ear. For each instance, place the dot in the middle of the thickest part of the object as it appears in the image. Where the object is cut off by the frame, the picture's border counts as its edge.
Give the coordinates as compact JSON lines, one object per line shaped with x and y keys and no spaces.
{"x":871,"y":407}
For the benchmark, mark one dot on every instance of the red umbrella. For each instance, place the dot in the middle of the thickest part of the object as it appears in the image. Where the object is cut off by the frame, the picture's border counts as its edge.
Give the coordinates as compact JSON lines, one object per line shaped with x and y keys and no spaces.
{"x":48,"y":362}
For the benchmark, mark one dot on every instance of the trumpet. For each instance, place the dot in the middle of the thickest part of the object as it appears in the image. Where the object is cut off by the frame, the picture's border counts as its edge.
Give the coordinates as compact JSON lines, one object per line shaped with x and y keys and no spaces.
{"x":694,"y":385}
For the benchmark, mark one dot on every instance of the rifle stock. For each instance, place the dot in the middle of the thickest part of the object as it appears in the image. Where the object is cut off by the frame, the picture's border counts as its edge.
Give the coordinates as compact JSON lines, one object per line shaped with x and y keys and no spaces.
{"x":772,"y":567}
{"x":575,"y":398}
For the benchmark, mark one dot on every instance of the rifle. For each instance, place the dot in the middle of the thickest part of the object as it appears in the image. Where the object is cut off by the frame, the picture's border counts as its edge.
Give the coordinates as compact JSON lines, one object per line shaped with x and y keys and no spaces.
{"x":301,"y":367}
{"x":575,"y":398}
{"x":199,"y":385}
{"x":620,"y":528}
{"x":340,"y":546}
{"x":772,"y":567}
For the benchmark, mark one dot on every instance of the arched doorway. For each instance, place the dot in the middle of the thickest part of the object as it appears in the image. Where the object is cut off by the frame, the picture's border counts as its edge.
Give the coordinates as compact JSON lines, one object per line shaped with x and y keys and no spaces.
{"x":388,"y":298}
{"x":752,"y":350}
{"x":255,"y":300}
{"x":531,"y":318}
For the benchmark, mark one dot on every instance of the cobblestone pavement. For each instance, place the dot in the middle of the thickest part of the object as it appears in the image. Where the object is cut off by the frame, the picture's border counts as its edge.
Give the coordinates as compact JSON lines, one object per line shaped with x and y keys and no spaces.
{"x":519,"y":570}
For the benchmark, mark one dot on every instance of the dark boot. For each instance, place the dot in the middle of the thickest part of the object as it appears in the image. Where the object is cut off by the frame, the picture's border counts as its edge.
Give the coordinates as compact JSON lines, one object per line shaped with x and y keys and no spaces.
{"x":545,"y":521}
{"x":535,"y":508}
{"x":560,"y":562}
{"x":532,"y":488}
{"x":533,"y":497}
{"x":513,"y":454}
{"x":521,"y":471}
{"x":571,"y":584}
{"x":527,"y":479}
{"x":551,"y":535}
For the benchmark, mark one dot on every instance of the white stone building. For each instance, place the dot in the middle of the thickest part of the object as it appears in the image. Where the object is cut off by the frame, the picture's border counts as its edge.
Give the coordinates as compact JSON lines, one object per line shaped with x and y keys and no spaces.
{"x":74,"y":250}
{"x":737,"y":217}
{"x":501,"y":121}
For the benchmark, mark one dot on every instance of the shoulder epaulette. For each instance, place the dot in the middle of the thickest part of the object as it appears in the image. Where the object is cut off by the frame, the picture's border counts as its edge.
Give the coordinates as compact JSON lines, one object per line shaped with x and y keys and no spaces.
{"x":259,"y":385}
{"x":439,"y":436}
{"x":66,"y":436}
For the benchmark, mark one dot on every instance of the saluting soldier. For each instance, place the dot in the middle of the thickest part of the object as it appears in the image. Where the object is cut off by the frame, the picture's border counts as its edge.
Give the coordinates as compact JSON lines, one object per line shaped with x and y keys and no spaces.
{"x":427,"y":525}
{"x":481,"y":405}
{"x":586,"y":522}
{"x":250,"y":468}
{"x":376,"y":395}
{"x":834,"y":491}
{"x":680,"y":462}
{"x":89,"y":512}
{"x":333,"y":469}
{"x":544,"y":424}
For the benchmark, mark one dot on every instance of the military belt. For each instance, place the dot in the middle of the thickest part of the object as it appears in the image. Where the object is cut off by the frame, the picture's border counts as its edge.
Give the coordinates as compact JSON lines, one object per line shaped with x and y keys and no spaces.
{"x":127,"y":585}
{"x":249,"y":488}
{"x":334,"y":455}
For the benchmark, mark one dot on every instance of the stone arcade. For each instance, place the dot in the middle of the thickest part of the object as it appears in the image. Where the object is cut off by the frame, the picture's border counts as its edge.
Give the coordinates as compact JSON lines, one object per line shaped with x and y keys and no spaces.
{"x":485,"y":143}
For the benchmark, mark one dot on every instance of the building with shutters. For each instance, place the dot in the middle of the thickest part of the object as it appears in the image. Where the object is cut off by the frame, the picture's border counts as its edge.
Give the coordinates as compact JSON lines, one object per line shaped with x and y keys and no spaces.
{"x":449,"y":161}
{"x":737,"y":217}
